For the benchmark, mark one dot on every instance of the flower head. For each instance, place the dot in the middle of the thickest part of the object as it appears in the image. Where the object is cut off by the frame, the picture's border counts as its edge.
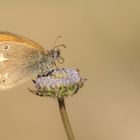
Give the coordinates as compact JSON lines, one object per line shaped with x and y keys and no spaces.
{"x":58,"y":83}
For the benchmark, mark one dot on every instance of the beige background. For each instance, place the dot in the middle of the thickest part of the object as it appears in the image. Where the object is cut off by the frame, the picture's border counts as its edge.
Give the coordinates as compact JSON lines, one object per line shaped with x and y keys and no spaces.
{"x":103,"y":39}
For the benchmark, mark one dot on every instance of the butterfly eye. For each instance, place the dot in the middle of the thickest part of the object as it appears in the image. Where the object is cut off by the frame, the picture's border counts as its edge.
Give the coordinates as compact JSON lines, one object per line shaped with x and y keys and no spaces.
{"x":5,"y":47}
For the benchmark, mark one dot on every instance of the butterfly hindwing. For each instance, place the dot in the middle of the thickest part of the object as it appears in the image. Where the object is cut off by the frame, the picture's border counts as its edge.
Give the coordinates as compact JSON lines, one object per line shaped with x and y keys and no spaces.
{"x":18,"y":62}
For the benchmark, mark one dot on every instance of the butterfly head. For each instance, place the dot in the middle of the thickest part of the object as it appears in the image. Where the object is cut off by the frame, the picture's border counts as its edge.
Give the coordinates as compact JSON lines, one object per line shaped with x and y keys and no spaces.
{"x":55,"y":54}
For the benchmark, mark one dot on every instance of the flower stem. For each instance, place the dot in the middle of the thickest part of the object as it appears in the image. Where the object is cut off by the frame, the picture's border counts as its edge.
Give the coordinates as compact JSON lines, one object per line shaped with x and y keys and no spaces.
{"x":65,"y":119}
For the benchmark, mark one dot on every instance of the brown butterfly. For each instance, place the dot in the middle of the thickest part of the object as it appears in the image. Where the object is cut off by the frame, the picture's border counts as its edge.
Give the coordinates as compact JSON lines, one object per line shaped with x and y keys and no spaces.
{"x":21,"y":58}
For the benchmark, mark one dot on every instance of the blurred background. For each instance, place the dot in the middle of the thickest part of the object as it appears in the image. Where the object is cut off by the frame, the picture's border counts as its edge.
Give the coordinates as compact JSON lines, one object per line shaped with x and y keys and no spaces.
{"x":103,"y":40}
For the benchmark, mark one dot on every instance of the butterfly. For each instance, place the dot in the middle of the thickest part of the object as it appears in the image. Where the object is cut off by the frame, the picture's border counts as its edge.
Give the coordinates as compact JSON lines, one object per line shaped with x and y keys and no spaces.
{"x":21,"y":58}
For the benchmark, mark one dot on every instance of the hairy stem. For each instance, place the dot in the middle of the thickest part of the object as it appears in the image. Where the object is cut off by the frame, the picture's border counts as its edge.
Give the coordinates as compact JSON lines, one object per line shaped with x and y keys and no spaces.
{"x":65,"y":119}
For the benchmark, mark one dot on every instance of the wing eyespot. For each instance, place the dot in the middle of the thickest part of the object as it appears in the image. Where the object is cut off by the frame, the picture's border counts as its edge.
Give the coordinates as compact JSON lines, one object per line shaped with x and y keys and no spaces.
{"x":6,"y":47}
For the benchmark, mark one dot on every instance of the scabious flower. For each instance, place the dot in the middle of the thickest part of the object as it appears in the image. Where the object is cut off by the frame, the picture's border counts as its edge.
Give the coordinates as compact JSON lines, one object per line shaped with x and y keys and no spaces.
{"x":59,"y":83}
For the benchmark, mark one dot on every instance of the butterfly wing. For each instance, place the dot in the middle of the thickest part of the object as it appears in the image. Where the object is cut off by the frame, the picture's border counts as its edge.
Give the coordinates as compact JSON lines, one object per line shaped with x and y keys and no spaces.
{"x":19,"y":59}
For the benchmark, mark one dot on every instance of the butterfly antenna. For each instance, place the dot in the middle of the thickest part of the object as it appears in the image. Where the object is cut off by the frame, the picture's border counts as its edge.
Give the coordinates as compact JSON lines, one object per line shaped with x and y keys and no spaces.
{"x":62,"y":45}
{"x":56,"y":40}
{"x":57,"y":46}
